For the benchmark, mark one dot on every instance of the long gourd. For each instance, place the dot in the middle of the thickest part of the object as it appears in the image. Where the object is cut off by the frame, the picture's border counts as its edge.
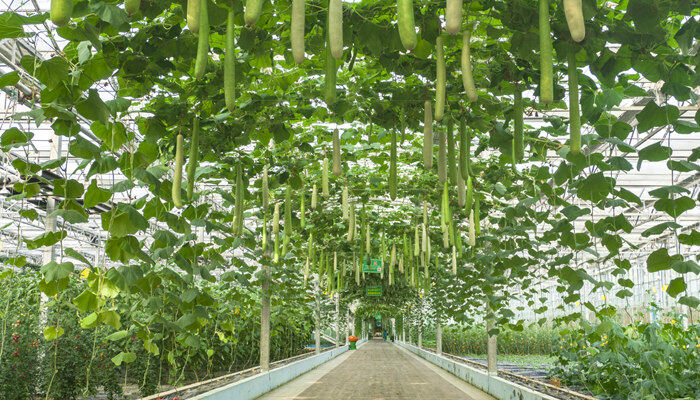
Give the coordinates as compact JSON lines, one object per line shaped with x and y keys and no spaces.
{"x":200,"y":64}
{"x":230,"y":64}
{"x":288,"y":212}
{"x":61,"y":11}
{"x":440,"y":79}
{"x":177,"y":174}
{"x":573,"y":11}
{"x":442,"y":157}
{"x":453,"y":16}
{"x":302,"y":212}
{"x":253,"y":9}
{"x":392,"y":166}
{"x":192,"y":159}
{"x":574,"y":113}
{"x":518,"y":139}
{"x":428,"y":137}
{"x":297,"y":29}
{"x":314,"y":197}
{"x":335,"y":28}
{"x":344,"y":202}
{"x":265,"y":189}
{"x":132,"y":6}
{"x":337,"y":163}
{"x":466,"y":63}
{"x":546,"y":69}
{"x":407,"y":25}
{"x":451,"y":157}
{"x":193,"y":15}
{"x":470,"y":195}
{"x":324,"y":178}
{"x":461,"y":191}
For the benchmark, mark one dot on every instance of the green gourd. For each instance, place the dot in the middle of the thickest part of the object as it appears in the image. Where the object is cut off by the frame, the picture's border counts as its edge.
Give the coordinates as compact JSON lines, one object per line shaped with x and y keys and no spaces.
{"x":297,"y":30}
{"x":466,"y":63}
{"x":335,"y":28}
{"x":574,"y":113}
{"x":407,"y":25}
{"x":518,"y":140}
{"x":193,"y":15}
{"x":440,"y":79}
{"x":192,"y":159}
{"x":253,"y":9}
{"x":61,"y":11}
{"x":573,"y":10}
{"x":428,"y":137}
{"x":453,"y":16}
{"x":546,"y":68}
{"x":230,"y":64}
{"x":177,"y":173}
{"x":200,"y":64}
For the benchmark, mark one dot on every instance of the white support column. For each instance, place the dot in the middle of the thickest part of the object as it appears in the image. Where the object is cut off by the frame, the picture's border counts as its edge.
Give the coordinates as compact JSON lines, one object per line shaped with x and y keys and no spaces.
{"x":491,"y":345}
{"x":438,"y":339}
{"x":317,"y":317}
{"x":337,"y":320}
{"x":265,"y":320}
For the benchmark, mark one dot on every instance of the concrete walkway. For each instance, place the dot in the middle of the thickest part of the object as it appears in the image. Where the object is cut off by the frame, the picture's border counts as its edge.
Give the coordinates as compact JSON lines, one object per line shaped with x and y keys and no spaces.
{"x":378,"y":370}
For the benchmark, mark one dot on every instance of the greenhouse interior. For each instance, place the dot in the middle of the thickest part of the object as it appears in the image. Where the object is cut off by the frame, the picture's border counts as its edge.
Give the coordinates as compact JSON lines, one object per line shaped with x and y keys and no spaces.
{"x":349,"y":199}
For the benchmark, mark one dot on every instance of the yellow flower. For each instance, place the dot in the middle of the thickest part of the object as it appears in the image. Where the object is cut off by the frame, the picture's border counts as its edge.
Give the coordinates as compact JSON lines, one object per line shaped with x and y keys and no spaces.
{"x":673,"y":321}
{"x":236,"y":311}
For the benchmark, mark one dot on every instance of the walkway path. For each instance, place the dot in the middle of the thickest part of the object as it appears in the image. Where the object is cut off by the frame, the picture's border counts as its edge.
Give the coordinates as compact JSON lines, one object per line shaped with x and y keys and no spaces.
{"x":378,"y":370}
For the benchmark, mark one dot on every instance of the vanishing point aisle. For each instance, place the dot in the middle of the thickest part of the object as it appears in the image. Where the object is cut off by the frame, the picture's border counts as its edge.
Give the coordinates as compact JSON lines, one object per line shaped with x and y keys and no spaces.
{"x":377,"y":370}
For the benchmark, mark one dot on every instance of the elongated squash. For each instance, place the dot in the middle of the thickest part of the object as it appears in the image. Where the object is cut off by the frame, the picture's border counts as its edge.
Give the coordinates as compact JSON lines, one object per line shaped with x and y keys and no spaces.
{"x":276,"y":220}
{"x":264,"y":234}
{"x":440,"y":79}
{"x":472,"y":229}
{"x":200,"y":64}
{"x":454,"y":260}
{"x":428,"y":137}
{"x":288,"y":211}
{"x":324,"y":178}
{"x":424,"y":240}
{"x":192,"y":159}
{"x":574,"y":112}
{"x":464,"y":150}
{"x":461,"y":191}
{"x":367,"y":239}
{"x":518,"y":139}
{"x":573,"y":10}
{"x":546,"y":69}
{"x":392,"y":166}
{"x":451,"y":157}
{"x":298,"y":29}
{"x":453,"y":16}
{"x":351,"y":223}
{"x":331,"y":74}
{"x":193,"y":15}
{"x":344,"y":202}
{"x":132,"y":6}
{"x":61,"y":11}
{"x":477,"y":218}
{"x":177,"y":173}
{"x":407,"y":25}
{"x":230,"y":64}
{"x":265,"y":189}
{"x":253,"y":9}
{"x":442,"y":157}
{"x":416,"y":243}
{"x":444,"y":207}
{"x":335,"y":28}
{"x":470,"y":195}
{"x":314,"y":197}
{"x":466,"y":63}
{"x":337,"y":163}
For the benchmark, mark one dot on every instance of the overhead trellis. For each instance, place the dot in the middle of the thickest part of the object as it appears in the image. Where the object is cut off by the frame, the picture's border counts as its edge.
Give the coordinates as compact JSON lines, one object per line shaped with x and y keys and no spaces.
{"x":506,"y":201}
